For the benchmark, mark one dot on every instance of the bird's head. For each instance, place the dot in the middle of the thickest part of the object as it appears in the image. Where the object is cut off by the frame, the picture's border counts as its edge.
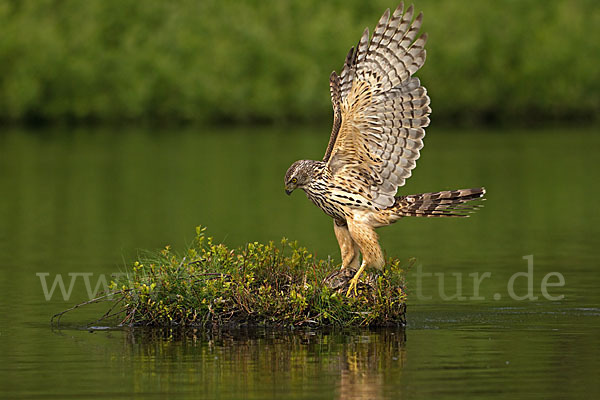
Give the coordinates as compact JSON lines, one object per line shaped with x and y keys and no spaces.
{"x":298,"y":175}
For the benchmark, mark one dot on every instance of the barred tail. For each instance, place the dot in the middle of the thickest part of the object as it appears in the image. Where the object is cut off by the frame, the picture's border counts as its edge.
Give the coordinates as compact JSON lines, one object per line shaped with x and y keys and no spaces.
{"x":449,"y":203}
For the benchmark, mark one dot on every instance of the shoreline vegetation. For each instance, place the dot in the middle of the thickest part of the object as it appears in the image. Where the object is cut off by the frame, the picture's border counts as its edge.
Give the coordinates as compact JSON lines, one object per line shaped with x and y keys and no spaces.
{"x":279,"y":285}
{"x":226,"y":61}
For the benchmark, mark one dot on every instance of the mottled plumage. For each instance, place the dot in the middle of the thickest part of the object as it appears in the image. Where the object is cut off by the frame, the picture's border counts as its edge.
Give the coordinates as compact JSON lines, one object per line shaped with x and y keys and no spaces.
{"x":380,"y":112}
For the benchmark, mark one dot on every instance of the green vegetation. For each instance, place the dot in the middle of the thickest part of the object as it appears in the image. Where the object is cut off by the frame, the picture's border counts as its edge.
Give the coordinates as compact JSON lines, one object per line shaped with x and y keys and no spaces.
{"x":259,"y":284}
{"x":225,"y":60}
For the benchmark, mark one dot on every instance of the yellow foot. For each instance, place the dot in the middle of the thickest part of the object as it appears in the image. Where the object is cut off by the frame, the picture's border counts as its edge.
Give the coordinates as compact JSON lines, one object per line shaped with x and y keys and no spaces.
{"x":352,"y":287}
{"x":354,"y":281}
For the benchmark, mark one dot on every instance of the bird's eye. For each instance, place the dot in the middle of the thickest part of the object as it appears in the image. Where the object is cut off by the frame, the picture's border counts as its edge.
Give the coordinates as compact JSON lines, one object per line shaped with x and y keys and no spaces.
{"x":294,"y":180}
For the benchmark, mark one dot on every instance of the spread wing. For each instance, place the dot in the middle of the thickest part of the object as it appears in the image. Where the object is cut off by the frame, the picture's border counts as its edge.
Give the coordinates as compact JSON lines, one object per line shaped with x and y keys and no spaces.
{"x":380,"y":109}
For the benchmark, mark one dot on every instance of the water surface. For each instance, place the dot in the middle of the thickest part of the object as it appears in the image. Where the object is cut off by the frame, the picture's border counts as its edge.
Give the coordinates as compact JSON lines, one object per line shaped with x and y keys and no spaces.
{"x":83,"y":201}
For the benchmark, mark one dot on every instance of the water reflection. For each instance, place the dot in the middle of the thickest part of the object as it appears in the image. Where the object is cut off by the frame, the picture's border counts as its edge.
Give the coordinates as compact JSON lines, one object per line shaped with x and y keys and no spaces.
{"x":339,"y":364}
{"x":364,"y":361}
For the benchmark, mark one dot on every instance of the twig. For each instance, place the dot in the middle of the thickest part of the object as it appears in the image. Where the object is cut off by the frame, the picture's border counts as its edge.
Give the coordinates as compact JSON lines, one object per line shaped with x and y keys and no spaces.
{"x":121,"y":311}
{"x":107,"y":313}
{"x":128,"y":316}
{"x":179,"y":267}
{"x":92,"y":301}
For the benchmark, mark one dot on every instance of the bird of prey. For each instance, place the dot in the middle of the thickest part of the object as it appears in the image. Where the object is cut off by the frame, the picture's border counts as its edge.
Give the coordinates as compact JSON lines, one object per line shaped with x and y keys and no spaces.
{"x":380,"y":113}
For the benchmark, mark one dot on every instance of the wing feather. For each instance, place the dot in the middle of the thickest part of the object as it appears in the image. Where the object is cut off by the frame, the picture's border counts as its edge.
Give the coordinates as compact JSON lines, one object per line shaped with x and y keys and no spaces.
{"x":383,"y":109}
{"x":336,"y":101}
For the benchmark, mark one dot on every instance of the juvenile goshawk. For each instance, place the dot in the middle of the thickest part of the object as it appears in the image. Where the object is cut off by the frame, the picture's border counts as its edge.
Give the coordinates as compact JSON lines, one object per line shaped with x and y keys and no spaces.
{"x":380,"y":112}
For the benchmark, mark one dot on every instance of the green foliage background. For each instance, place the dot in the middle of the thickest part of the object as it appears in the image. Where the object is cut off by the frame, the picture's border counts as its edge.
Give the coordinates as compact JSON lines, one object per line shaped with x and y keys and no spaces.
{"x":240,"y":61}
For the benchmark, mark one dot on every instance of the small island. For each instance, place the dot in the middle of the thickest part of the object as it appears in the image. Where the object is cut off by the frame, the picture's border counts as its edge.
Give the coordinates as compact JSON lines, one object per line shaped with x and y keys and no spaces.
{"x":272,"y":284}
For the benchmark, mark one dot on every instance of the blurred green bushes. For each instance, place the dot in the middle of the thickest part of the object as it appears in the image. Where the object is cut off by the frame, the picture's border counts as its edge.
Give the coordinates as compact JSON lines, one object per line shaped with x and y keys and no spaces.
{"x":239,"y":61}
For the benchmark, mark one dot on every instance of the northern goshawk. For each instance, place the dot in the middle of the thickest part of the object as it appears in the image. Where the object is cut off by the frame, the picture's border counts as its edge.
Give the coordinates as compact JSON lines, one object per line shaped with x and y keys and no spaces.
{"x":380,"y":112}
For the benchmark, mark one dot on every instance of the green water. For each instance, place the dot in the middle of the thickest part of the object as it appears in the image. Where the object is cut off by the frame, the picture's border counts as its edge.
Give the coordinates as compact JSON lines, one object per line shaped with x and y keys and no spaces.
{"x":84,"y":201}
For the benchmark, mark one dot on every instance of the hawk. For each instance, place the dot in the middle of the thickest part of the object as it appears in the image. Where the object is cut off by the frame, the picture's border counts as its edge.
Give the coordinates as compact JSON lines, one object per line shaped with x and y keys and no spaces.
{"x":380,"y":113}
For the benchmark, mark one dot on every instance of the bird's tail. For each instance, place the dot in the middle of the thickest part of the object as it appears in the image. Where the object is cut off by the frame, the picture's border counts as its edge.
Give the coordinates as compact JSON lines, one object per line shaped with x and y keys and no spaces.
{"x":449,"y":203}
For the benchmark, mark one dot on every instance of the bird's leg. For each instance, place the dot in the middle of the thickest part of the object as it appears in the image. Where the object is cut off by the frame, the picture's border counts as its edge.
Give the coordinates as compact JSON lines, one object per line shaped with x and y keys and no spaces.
{"x":365,"y":237}
{"x":348,"y":247}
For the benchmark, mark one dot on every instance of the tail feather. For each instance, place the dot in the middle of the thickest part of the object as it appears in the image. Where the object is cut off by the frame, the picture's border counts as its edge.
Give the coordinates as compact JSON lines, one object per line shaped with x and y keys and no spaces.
{"x":448,"y":203}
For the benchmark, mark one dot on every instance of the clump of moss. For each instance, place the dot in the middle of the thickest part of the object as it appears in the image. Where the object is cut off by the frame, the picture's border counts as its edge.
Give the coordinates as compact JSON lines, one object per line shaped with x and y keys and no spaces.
{"x":261,"y":284}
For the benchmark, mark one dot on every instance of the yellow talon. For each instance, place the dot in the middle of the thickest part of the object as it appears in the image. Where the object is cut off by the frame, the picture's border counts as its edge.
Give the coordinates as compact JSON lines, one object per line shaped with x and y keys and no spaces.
{"x":354,"y":281}
{"x":352,"y":287}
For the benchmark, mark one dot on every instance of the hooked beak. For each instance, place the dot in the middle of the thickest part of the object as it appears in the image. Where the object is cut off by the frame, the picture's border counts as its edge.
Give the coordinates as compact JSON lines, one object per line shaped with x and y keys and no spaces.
{"x":288,"y":191}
